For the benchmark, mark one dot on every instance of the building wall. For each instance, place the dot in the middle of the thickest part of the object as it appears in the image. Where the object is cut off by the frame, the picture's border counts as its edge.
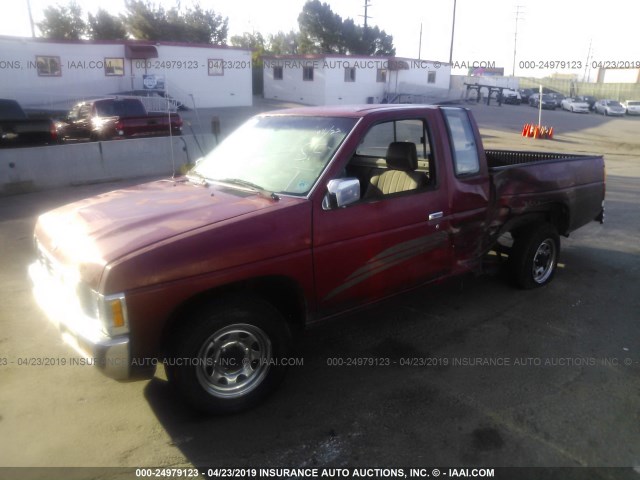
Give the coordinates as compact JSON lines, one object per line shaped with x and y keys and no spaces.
{"x":338,"y":91}
{"x":292,"y":87}
{"x":415,"y":78}
{"x":330,"y":88}
{"x":82,"y":72}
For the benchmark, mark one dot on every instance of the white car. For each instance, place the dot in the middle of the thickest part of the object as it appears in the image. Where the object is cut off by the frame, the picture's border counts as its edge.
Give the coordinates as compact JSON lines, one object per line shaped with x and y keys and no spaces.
{"x":609,"y":107}
{"x":632,"y":107}
{"x":574,"y":105}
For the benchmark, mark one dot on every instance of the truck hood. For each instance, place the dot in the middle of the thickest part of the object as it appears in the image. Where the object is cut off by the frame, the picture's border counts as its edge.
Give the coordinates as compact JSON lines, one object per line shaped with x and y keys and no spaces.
{"x":94,"y":232}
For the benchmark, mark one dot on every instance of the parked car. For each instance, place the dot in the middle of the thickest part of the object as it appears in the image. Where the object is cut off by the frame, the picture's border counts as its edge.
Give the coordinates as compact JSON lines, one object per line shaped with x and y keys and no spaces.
{"x":525,"y":93}
{"x":591,"y":101}
{"x":18,"y":130}
{"x":575,"y":105}
{"x":117,"y":118}
{"x":632,"y":107}
{"x":155,"y":94}
{"x":558,"y":97}
{"x":548,"y":102}
{"x":325,"y":209}
{"x":511,"y":97}
{"x":609,"y":107}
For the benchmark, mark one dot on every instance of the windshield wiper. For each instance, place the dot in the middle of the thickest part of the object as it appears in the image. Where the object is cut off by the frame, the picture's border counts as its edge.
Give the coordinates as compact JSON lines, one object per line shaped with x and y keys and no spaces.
{"x":250,"y":185}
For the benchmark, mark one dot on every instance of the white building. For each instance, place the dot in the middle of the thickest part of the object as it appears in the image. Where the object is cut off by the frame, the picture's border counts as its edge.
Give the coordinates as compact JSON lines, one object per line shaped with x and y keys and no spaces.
{"x":47,"y":73}
{"x":348,"y":79}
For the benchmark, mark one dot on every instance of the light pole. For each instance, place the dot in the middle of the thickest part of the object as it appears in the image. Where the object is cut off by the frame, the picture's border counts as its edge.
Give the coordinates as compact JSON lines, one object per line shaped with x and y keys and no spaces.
{"x":453,"y":28}
{"x":33,"y":31}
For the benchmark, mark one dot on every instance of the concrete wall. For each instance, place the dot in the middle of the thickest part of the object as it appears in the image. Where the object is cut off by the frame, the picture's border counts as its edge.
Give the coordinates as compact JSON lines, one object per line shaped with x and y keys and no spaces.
{"x":30,"y":169}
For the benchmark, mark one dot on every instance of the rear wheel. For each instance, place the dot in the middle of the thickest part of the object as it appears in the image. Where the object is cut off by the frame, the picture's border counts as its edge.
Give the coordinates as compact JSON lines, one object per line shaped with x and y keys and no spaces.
{"x":227,"y":357}
{"x":534,"y":256}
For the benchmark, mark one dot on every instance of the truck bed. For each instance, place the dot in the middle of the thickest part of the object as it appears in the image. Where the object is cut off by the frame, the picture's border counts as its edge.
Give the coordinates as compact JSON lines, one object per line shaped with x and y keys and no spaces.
{"x":529,"y":182}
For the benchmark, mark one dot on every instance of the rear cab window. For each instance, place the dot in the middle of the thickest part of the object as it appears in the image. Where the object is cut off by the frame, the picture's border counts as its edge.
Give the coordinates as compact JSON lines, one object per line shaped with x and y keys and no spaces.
{"x":463,"y":142}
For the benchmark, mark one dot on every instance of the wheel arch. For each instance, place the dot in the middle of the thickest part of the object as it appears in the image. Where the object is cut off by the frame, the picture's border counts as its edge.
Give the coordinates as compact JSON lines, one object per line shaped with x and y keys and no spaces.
{"x":557,"y":214}
{"x":284,"y":293}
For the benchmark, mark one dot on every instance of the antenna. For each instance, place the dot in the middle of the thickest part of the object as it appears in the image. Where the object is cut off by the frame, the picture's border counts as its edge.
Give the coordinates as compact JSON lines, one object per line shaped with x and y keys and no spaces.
{"x":515,"y":38}
{"x":420,"y":44}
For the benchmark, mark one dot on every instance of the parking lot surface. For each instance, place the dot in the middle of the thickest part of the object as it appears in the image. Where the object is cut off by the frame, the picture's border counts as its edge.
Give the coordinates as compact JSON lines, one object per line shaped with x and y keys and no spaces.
{"x":482,"y":373}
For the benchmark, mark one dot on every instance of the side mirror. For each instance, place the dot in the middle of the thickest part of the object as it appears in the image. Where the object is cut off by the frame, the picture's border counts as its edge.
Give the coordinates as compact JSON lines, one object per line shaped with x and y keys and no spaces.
{"x":341,"y":192}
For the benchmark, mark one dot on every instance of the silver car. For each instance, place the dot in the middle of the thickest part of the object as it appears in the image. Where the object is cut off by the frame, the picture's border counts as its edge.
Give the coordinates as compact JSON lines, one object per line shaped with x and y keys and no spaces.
{"x":575,"y":105}
{"x":609,"y":107}
{"x":632,"y":107}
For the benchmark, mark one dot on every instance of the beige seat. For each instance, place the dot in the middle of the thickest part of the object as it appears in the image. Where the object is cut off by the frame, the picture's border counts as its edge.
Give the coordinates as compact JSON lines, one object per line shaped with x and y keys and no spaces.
{"x":400,"y":176}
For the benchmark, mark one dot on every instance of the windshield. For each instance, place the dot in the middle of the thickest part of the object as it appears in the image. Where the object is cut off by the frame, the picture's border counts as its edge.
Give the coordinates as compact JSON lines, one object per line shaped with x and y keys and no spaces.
{"x":547,"y":97}
{"x":633,"y":104}
{"x":613,"y":104}
{"x":282,"y":154}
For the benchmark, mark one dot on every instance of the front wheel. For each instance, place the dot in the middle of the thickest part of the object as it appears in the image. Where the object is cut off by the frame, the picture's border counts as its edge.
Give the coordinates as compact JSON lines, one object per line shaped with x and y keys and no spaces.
{"x":534,"y":257}
{"x":227,"y":357}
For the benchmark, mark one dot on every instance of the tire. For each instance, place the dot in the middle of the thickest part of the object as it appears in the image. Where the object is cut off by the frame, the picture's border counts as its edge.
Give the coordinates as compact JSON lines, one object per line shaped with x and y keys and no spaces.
{"x":232,"y":348}
{"x":534,"y":256}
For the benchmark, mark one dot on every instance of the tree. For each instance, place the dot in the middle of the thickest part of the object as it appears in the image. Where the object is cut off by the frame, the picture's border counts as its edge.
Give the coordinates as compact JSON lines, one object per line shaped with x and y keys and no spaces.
{"x":205,"y":26}
{"x":63,"y":23}
{"x":104,"y":26}
{"x":284,"y":43}
{"x":322,"y":31}
{"x":377,"y":42}
{"x":252,"y":41}
{"x":320,"y":28}
{"x":145,"y":21}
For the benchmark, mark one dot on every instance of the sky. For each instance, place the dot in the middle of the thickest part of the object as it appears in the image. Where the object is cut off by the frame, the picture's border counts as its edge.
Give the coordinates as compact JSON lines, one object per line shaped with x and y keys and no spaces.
{"x":548,"y":30}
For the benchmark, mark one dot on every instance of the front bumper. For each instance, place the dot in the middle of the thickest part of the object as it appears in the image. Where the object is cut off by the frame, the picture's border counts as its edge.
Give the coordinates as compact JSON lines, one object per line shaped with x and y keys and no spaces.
{"x":84,"y":334}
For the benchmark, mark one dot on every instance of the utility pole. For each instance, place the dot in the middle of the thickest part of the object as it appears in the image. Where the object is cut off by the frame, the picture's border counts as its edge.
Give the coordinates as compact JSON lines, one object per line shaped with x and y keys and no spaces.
{"x":33,"y":31}
{"x":515,"y":39}
{"x":586,"y":66}
{"x":366,"y":15}
{"x":453,"y":28}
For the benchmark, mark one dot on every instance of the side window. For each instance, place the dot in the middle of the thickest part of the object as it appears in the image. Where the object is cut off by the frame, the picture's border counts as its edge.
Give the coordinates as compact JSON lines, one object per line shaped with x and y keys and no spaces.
{"x":378,"y":138}
{"x":464,"y":149}
{"x":370,"y":162}
{"x":85,"y":111}
{"x":74,"y":113}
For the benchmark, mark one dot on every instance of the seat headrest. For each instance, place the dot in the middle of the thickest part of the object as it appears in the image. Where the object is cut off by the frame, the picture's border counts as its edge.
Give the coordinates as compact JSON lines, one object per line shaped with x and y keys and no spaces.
{"x":402,"y":156}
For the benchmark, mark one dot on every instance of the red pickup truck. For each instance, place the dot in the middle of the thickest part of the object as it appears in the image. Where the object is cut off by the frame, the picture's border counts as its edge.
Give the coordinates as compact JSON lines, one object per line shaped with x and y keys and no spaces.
{"x":298,"y":215}
{"x":116,"y":118}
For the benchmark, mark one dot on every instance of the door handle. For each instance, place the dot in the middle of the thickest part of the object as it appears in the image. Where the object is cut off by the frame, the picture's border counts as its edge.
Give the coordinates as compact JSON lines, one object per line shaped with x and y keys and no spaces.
{"x":436,"y":215}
